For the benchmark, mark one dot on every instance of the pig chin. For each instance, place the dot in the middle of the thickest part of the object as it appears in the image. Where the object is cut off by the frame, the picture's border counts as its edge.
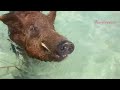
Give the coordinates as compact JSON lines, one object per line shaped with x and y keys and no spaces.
{"x":58,"y":58}
{"x":55,"y":57}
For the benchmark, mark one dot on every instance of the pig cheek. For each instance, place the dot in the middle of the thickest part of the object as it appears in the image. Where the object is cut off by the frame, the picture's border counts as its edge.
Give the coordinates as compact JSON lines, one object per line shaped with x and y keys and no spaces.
{"x":36,"y":51}
{"x":32,"y":48}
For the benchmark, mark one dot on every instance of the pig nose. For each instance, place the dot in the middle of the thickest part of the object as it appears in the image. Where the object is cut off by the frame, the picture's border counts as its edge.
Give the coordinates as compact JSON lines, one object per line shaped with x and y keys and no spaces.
{"x":65,"y":47}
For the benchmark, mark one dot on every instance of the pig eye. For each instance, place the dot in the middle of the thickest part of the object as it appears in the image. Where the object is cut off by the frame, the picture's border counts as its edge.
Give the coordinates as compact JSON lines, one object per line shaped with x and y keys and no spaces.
{"x":34,"y":31}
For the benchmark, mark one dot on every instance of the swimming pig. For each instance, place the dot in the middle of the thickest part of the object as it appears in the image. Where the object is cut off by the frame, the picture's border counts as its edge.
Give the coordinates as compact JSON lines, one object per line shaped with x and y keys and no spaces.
{"x":35,"y":33}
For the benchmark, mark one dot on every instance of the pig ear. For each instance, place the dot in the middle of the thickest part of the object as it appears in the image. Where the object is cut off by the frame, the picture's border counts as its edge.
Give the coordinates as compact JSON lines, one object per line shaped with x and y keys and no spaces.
{"x":1,"y":17}
{"x":10,"y":18}
{"x":51,"y":16}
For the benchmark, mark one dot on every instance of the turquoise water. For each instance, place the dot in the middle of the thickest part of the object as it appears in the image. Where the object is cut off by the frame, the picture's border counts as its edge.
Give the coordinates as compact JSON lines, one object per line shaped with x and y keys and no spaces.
{"x":96,"y":36}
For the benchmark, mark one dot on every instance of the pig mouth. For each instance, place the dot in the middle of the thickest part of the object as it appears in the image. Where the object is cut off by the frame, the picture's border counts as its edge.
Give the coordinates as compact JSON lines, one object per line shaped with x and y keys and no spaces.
{"x":57,"y":58}
{"x":60,"y":58}
{"x":54,"y":55}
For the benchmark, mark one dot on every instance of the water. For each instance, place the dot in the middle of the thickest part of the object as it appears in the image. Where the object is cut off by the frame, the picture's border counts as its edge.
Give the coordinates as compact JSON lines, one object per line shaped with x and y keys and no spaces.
{"x":96,"y":36}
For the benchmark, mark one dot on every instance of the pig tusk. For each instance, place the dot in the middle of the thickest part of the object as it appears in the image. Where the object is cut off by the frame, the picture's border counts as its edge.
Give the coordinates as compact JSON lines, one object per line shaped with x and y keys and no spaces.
{"x":45,"y":46}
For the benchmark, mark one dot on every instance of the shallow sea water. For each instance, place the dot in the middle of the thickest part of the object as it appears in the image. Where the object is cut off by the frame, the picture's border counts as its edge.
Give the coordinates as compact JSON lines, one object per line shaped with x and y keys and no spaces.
{"x":96,"y":35}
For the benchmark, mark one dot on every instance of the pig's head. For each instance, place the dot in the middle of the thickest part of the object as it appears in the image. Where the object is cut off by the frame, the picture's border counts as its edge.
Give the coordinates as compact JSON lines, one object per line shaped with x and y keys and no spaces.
{"x":35,"y":33}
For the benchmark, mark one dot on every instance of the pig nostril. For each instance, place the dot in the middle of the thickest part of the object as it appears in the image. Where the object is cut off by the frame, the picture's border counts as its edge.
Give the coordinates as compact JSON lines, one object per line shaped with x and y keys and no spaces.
{"x":71,"y":48}
{"x":65,"y":47}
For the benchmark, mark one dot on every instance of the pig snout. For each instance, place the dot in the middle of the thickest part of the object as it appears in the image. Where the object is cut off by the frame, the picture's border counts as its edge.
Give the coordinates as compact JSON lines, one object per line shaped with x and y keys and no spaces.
{"x":65,"y":48}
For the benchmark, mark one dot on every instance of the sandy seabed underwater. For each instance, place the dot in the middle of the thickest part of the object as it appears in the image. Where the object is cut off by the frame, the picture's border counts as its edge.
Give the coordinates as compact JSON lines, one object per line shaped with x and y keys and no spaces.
{"x":96,"y":35}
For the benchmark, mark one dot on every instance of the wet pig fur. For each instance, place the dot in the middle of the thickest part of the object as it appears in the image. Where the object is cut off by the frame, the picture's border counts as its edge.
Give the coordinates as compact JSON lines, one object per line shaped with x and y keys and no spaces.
{"x":35,"y":33}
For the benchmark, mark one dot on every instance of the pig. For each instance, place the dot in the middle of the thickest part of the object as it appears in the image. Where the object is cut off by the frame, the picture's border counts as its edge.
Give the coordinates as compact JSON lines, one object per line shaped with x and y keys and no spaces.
{"x":34,"y":32}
